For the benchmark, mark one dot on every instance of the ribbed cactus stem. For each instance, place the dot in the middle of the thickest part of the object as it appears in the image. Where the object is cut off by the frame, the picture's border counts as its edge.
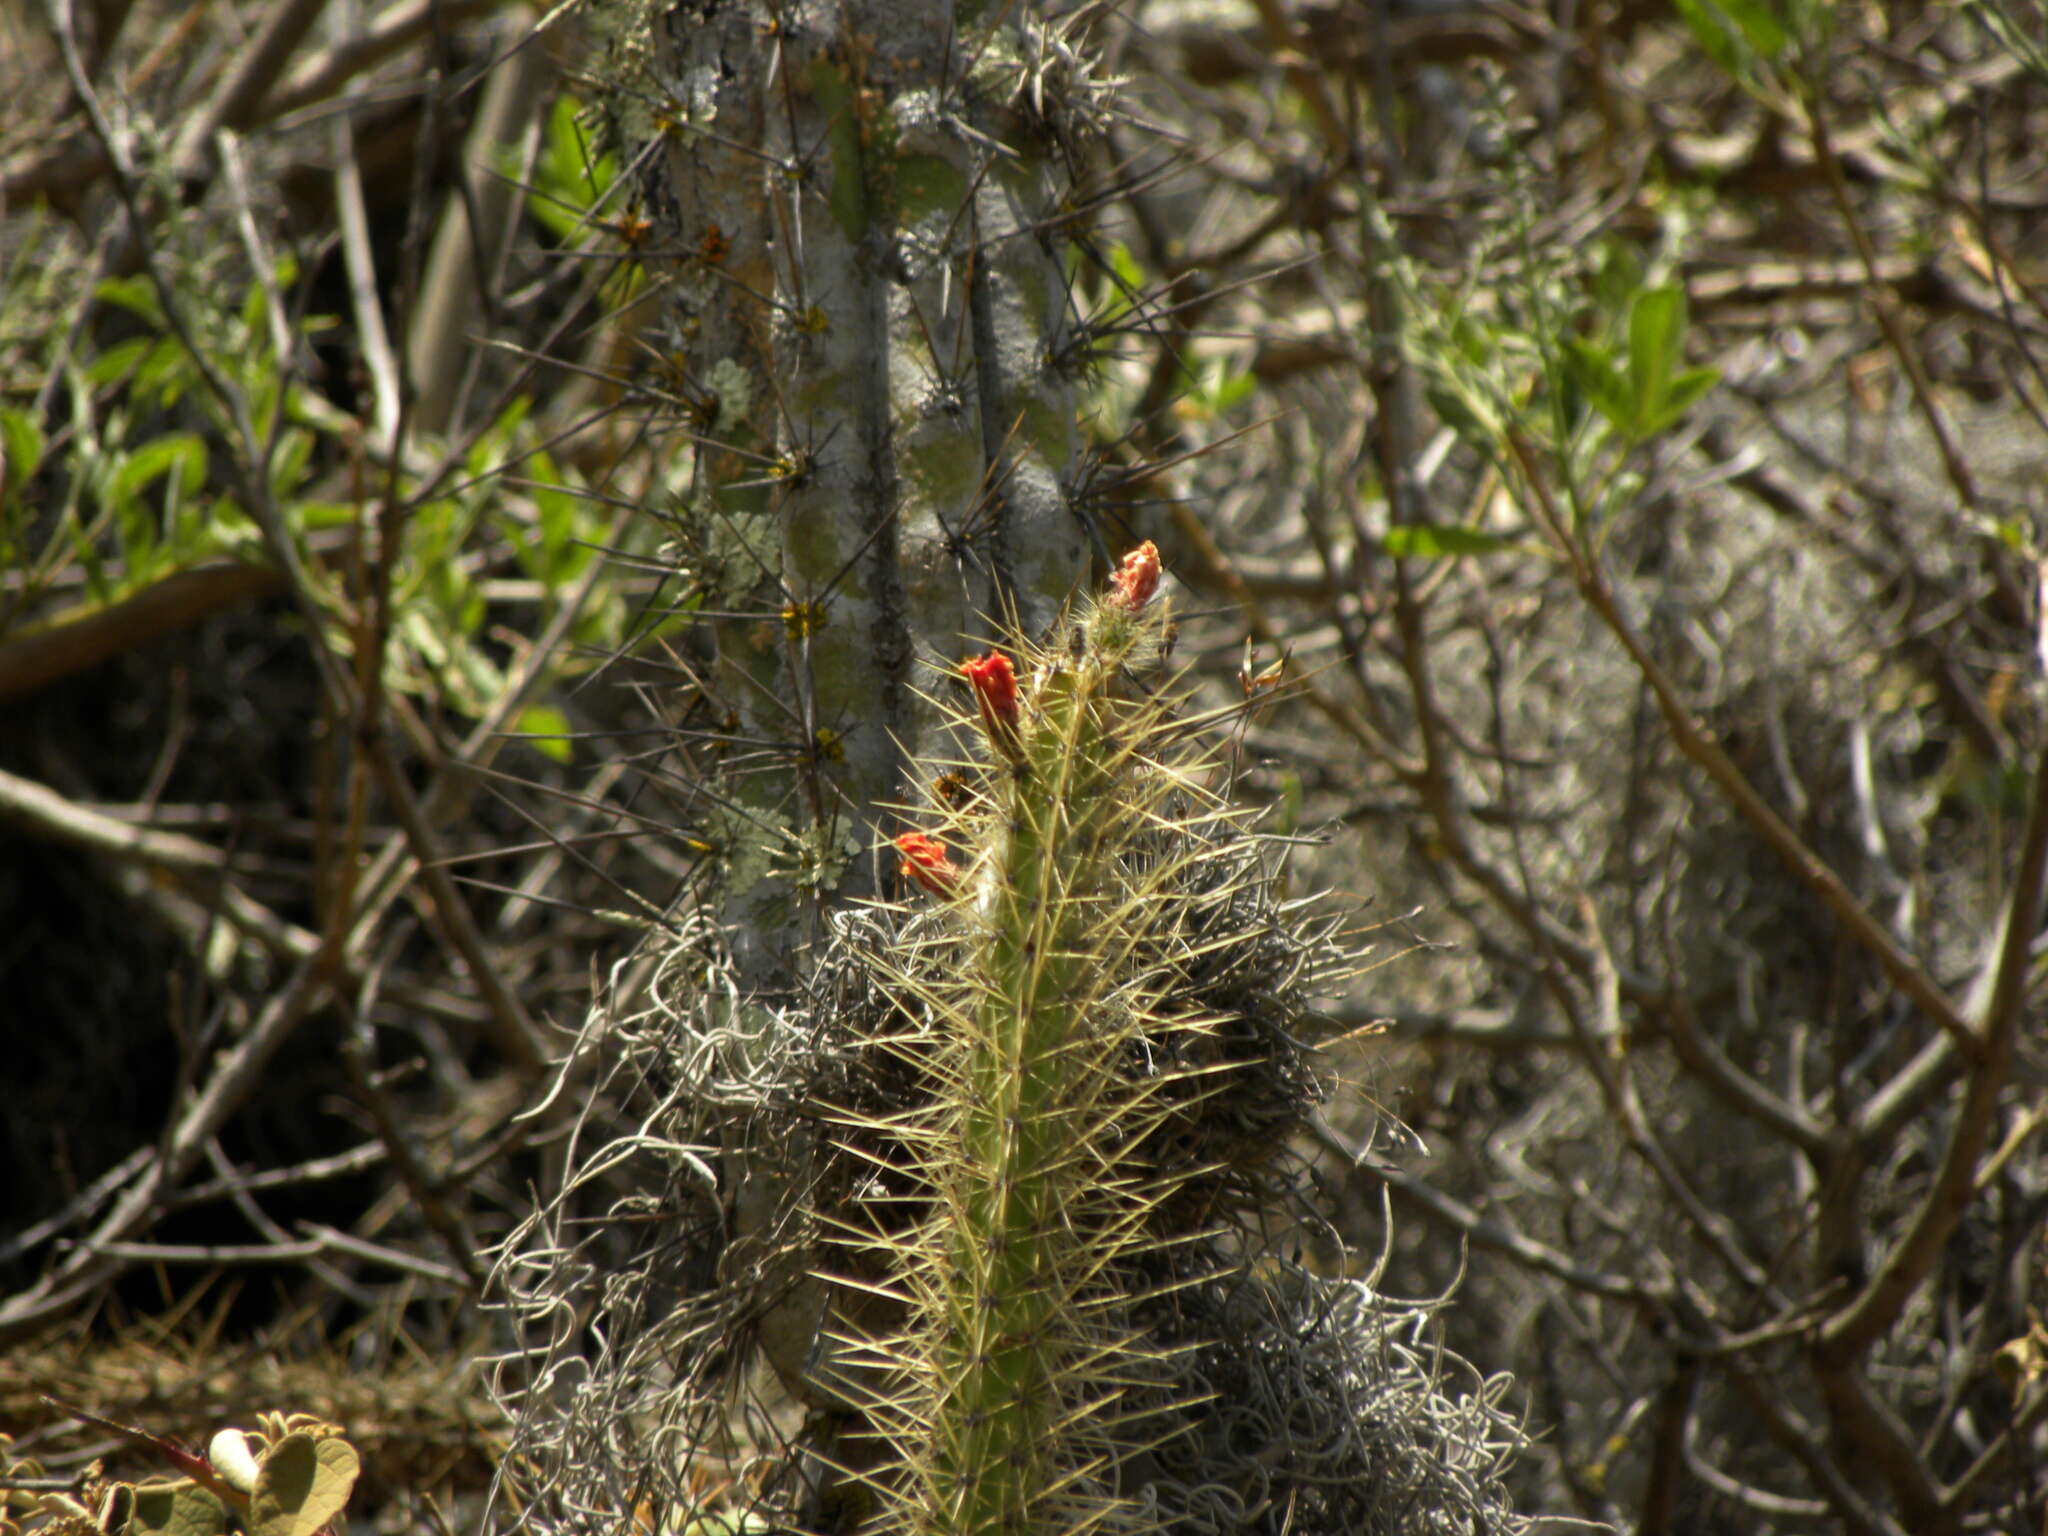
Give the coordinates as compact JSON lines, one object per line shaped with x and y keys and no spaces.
{"x":1027,"y":1196}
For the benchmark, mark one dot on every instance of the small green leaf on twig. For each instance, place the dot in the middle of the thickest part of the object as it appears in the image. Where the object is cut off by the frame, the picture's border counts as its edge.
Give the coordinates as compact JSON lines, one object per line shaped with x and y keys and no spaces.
{"x":546,"y":730}
{"x":1735,"y":34}
{"x":21,"y":448}
{"x":1426,"y":541}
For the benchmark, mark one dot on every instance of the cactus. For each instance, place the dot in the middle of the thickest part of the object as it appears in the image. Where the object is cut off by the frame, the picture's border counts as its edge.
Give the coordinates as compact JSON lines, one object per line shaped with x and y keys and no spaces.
{"x":1032,"y":1152}
{"x":1027,"y":1124}
{"x":977,"y":1174}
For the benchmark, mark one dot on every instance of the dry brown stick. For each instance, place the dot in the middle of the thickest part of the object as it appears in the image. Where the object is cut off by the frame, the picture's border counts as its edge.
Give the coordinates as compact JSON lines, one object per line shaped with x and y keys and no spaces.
{"x":89,"y":1264}
{"x":1610,"y":1067}
{"x":1487,"y":1232}
{"x":1766,"y":1399}
{"x":516,"y":1033}
{"x":1224,"y":575}
{"x":478,"y":217}
{"x":1289,"y":53}
{"x":1957,"y":1497}
{"x":1700,"y":748}
{"x":76,"y":160}
{"x":1865,"y":1421}
{"x":512,"y":1026}
{"x":395,"y":27}
{"x":1915,"y":1255}
{"x":241,"y":91}
{"x":48,"y":814}
{"x":78,"y":1208}
{"x":45,"y":813}
{"x":40,"y":656}
{"x":358,"y":1053}
{"x":1703,"y":1057}
{"x":333,"y":1240}
{"x":240,"y":1068}
{"x":244,"y":1200}
{"x":1884,"y":305}
{"x":399,"y":862}
{"x":1667,"y":1447}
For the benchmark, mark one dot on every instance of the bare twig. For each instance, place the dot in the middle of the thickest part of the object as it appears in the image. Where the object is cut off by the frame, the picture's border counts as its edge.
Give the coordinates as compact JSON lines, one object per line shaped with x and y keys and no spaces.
{"x":1699,"y":747}
{"x":1488,"y":1233}
{"x":1915,"y":1254}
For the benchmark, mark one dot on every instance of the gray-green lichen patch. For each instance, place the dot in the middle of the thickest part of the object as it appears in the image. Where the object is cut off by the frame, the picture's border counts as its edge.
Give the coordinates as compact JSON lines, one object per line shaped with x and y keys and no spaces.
{"x":822,"y":392}
{"x":729,"y":381}
{"x":1049,"y":428}
{"x":751,"y":844}
{"x":816,"y":858}
{"x":1031,"y":289}
{"x":843,"y":667}
{"x":741,"y":550}
{"x":623,"y":32}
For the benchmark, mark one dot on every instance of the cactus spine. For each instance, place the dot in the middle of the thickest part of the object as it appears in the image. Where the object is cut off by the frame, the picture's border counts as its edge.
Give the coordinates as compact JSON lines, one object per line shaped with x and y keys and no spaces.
{"x":1032,"y":1147}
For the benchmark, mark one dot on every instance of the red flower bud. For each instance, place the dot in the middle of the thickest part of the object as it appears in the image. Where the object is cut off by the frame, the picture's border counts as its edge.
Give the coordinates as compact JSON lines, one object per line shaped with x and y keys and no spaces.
{"x":995,"y":694}
{"x":1132,"y":584}
{"x":925,"y":861}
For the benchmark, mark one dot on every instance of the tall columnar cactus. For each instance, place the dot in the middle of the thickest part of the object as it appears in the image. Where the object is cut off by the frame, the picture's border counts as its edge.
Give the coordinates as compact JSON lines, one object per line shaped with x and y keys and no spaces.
{"x":865,"y":317}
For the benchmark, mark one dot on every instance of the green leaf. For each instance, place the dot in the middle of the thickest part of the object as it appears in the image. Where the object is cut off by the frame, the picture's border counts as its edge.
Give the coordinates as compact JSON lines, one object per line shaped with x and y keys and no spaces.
{"x":137,"y":295}
{"x":1590,"y":366}
{"x":1656,"y":346}
{"x":182,"y":1508}
{"x":545,"y":558}
{"x":1686,"y":390}
{"x":164,"y":368}
{"x":546,"y":730}
{"x":181,"y":454}
{"x":318,"y":515}
{"x":21,"y":448}
{"x":566,"y":181}
{"x":1129,"y":272}
{"x":225,"y":529}
{"x":303,"y":1483}
{"x":1234,"y":388}
{"x":1462,"y":410}
{"x":1618,"y":279}
{"x":1758,"y":23}
{"x":118,"y":360}
{"x":1424,"y":541}
{"x":288,"y":464}
{"x":496,"y":441}
{"x":1290,"y":803}
{"x":1735,"y":34}
{"x":1688,"y":387}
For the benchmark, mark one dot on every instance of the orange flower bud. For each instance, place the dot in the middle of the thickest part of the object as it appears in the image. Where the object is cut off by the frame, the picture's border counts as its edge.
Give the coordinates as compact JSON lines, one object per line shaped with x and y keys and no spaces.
{"x":994,"y":682}
{"x":925,"y":861}
{"x":1132,"y":584}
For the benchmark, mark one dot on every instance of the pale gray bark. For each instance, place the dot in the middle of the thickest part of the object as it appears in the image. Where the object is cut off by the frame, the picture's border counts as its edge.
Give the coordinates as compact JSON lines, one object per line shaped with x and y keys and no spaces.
{"x":867,"y":300}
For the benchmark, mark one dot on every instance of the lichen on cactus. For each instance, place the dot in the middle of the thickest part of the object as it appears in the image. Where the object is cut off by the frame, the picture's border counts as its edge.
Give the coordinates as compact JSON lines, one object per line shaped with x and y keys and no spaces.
{"x":1023,"y":1134}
